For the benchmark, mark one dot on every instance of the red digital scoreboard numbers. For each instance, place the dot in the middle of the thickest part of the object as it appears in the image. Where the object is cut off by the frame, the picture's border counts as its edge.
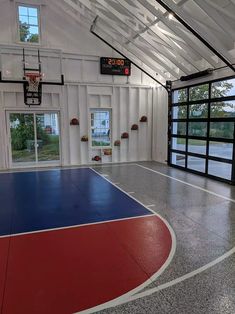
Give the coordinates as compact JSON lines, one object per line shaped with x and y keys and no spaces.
{"x":115,"y":66}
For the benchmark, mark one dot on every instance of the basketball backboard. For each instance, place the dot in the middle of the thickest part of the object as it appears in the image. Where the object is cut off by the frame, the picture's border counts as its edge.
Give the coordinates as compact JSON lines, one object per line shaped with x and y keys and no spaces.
{"x":12,"y":67}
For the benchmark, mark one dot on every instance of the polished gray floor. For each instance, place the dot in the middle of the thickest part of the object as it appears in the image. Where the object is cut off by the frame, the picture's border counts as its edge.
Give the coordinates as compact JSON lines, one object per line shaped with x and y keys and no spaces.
{"x":204,"y":224}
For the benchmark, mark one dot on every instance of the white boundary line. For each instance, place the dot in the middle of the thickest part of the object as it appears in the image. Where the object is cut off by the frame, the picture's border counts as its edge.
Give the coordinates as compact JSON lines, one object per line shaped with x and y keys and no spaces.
{"x":124,"y":297}
{"x":186,"y":183}
{"x":163,"y":286}
{"x":56,"y":168}
{"x":72,"y":227}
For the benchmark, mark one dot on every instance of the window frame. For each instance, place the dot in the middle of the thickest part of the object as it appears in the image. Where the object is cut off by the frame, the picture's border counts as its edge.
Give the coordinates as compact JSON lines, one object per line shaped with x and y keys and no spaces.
{"x":110,"y":126}
{"x":28,"y":5}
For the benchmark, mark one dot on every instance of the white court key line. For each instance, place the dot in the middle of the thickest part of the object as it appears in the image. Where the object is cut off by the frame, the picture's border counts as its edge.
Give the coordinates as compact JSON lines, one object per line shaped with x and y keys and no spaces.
{"x":125,"y":296}
{"x":189,"y":184}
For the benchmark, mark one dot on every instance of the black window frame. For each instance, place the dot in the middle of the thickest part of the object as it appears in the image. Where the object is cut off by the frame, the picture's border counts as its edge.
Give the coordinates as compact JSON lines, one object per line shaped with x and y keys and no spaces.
{"x":210,"y":100}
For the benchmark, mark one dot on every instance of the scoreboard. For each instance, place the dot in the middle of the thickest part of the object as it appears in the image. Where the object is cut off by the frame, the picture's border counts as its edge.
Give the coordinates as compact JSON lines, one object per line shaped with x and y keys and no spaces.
{"x":115,"y":66}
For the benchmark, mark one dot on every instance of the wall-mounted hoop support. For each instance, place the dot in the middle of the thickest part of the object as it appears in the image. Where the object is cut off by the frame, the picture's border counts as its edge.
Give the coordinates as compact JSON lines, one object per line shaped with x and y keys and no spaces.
{"x":32,"y":88}
{"x":32,"y":82}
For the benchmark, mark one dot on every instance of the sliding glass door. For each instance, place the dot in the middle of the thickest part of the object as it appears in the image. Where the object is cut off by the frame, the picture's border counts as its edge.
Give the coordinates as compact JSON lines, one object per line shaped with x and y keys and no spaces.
{"x":48,"y":137}
{"x":34,"y":139}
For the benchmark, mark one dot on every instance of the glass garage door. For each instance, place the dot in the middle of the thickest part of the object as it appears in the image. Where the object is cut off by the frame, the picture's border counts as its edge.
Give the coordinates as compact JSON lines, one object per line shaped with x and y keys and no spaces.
{"x":34,"y":138}
{"x":201,"y":129}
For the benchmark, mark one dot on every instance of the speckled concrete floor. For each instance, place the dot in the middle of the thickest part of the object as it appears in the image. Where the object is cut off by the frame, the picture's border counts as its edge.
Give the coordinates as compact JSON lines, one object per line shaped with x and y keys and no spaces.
{"x":204,"y":224}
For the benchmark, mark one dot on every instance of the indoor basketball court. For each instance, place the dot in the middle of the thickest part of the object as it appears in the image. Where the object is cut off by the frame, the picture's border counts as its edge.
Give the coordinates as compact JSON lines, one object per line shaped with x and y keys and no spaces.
{"x":100,"y":240}
{"x":117,"y":157}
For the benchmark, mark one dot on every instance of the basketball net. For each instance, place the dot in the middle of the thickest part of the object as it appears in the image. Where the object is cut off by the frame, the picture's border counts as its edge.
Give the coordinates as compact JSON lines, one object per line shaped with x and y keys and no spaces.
{"x":33,"y":80}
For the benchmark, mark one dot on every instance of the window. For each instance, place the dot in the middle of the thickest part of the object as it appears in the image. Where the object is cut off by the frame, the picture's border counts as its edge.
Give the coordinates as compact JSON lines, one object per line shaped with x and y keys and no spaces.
{"x":199,"y":92}
{"x":202,"y":129}
{"x":180,"y":112}
{"x":220,"y":169}
{"x":197,"y":129}
{"x":28,"y":19}
{"x":180,"y":95}
{"x":223,"y":109}
{"x":222,"y":129}
{"x":178,"y":159}
{"x":223,"y":89}
{"x":197,"y":111}
{"x":179,"y":128}
{"x":197,"y":146}
{"x":100,"y":128}
{"x":197,"y":164}
{"x":220,"y":149}
{"x":179,"y":143}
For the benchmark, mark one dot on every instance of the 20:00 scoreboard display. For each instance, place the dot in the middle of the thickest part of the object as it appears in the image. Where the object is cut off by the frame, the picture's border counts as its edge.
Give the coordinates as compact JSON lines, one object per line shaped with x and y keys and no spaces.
{"x":115,"y":66}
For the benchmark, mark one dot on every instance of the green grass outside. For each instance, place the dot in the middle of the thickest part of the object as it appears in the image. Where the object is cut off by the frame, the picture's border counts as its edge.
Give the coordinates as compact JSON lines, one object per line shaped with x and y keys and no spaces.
{"x":98,"y":143}
{"x":47,"y":152}
{"x":191,"y":142}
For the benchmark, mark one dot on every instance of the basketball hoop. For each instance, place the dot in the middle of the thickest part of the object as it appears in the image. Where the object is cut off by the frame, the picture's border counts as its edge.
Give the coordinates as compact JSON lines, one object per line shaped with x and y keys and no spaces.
{"x":33,"y":80}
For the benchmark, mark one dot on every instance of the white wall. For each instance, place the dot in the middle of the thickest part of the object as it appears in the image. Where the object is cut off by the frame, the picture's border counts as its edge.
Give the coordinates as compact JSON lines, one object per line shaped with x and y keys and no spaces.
{"x":129,"y":97}
{"x":128,"y":104}
{"x":160,"y":125}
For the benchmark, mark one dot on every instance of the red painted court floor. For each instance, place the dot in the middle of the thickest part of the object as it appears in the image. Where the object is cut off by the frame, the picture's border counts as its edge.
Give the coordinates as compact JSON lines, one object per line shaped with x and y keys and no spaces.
{"x":66,"y":271}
